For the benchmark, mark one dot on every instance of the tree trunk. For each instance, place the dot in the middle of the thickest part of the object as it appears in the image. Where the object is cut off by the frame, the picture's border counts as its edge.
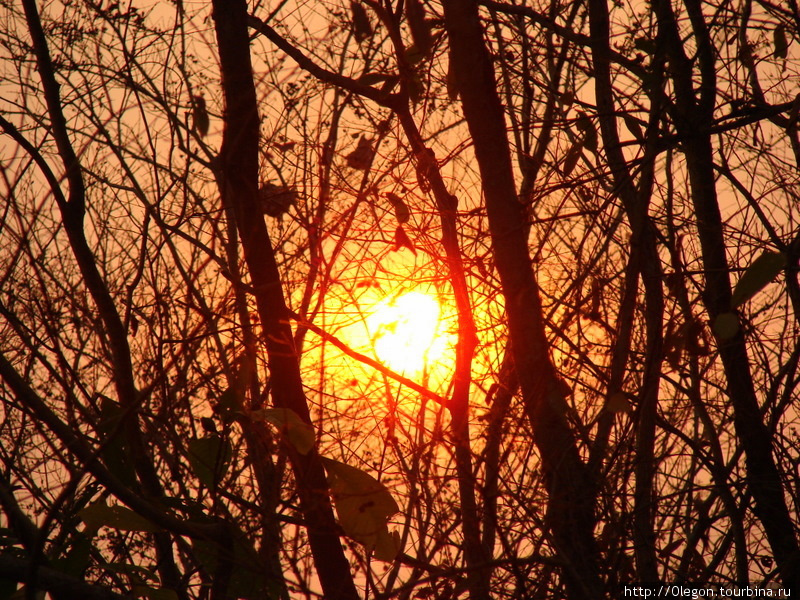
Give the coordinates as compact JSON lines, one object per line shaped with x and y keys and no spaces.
{"x":570,"y":512}
{"x":239,"y":171}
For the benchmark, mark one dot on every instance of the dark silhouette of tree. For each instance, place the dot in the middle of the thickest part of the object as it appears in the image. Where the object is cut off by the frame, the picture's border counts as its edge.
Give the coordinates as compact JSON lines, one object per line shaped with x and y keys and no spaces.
{"x":206,"y":203}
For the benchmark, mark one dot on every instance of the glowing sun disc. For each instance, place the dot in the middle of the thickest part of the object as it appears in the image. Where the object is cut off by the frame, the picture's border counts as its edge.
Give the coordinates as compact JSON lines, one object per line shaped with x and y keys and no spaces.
{"x":404,"y":331}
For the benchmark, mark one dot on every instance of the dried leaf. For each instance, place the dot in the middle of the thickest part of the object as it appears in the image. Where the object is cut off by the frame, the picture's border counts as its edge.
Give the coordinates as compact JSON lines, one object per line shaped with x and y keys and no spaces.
{"x":199,"y":116}
{"x":415,"y":87}
{"x":780,"y":42}
{"x":763,"y":270}
{"x":634,"y":125}
{"x":414,"y":55}
{"x":374,"y":78}
{"x":362,"y":28}
{"x":645,"y":45}
{"x":697,"y":341}
{"x":361,"y":157}
{"x":420,"y":29}
{"x":285,"y":146}
{"x":276,"y":200}
{"x":401,"y":240}
{"x":571,"y":158}
{"x":401,"y":210}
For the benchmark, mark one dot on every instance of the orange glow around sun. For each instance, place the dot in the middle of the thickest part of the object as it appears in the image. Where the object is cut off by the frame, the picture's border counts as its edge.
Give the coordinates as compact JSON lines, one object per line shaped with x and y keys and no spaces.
{"x":405,"y":331}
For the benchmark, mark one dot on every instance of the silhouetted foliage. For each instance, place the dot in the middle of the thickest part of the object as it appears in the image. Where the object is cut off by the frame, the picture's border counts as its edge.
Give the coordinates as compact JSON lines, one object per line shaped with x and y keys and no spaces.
{"x":205,"y":204}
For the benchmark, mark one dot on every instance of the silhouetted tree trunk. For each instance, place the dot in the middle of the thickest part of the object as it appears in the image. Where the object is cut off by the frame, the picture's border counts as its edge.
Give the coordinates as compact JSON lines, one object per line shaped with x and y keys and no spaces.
{"x":238,"y":164}
{"x":571,"y":493}
{"x":693,"y":115}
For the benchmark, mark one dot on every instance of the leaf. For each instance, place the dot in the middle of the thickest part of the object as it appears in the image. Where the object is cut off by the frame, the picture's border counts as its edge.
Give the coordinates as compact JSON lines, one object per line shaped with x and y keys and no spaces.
{"x":374,"y":78}
{"x":763,"y":270}
{"x":420,"y":28}
{"x":199,"y":116}
{"x":299,"y":433}
{"x":364,"y":506}
{"x":585,"y":124}
{"x":618,"y":403}
{"x":415,"y":87}
{"x":361,"y":157}
{"x":114,"y":449}
{"x":388,"y":545}
{"x":645,"y":45}
{"x":590,"y":138}
{"x":143,"y":591}
{"x":571,"y":158}
{"x":228,"y":404}
{"x":209,"y":426}
{"x":275,"y":199}
{"x":779,"y":41}
{"x":401,"y":240}
{"x":137,"y":573}
{"x":414,"y":55}
{"x":362,"y":28}
{"x":116,"y":517}
{"x":209,"y":458}
{"x":634,"y":125}
{"x":401,"y":211}
{"x":726,"y":326}
{"x":247,"y":576}
{"x":77,"y":559}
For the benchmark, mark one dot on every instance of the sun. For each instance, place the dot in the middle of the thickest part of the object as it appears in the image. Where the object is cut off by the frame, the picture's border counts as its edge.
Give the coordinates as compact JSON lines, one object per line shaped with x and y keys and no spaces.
{"x":404,"y":330}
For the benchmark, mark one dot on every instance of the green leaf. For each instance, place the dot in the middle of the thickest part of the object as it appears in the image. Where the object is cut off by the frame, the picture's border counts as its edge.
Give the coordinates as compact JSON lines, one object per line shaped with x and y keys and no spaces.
{"x":247,"y":579}
{"x":76,"y":560}
{"x":726,"y":326}
{"x":364,"y":506}
{"x":209,"y":458}
{"x":388,"y":545}
{"x":299,"y":433}
{"x":763,"y":270}
{"x":229,"y":404}
{"x":117,"y":517}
